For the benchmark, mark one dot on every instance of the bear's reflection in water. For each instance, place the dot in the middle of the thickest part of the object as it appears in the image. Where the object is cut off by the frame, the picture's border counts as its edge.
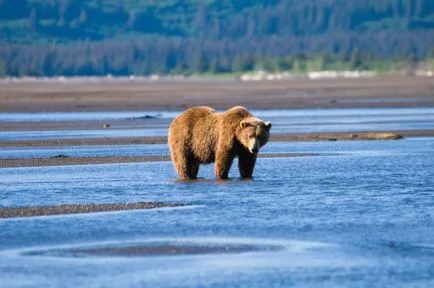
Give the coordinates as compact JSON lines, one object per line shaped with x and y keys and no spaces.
{"x":202,"y":180}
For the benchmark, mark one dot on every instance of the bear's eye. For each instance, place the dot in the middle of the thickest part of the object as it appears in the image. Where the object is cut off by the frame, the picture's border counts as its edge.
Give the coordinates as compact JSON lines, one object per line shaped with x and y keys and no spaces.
{"x":252,"y":136}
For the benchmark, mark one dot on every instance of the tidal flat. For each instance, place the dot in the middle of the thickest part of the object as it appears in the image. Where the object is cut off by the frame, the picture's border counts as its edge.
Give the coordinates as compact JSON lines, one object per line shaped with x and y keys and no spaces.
{"x":94,"y":205}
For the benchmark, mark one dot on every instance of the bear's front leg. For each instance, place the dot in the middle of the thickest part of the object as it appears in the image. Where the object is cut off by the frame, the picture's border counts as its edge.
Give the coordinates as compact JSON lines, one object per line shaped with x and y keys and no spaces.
{"x":223,"y":161}
{"x":246,"y":163}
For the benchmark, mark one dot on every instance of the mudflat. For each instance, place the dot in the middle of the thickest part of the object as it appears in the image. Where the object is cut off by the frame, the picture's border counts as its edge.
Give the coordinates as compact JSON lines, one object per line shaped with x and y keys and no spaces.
{"x":16,"y":212}
{"x":117,"y":95}
{"x":68,"y":160}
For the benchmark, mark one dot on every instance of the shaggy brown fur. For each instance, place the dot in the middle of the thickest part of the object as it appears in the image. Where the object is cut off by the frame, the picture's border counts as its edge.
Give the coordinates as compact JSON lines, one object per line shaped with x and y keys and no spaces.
{"x":200,"y":135}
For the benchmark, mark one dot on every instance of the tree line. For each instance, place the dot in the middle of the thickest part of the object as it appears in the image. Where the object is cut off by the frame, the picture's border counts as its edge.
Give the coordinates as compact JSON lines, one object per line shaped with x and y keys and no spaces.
{"x":170,"y":56}
{"x":95,"y":37}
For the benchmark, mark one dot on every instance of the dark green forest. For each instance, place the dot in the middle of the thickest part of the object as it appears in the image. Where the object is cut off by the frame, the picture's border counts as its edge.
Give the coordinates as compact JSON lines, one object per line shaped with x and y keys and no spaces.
{"x":97,"y":37}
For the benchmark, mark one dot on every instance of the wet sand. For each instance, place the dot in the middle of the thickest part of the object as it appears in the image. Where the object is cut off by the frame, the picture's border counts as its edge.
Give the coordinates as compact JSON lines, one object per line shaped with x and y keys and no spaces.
{"x":116,"y":95}
{"x":61,"y":160}
{"x":325,"y":136}
{"x":168,"y":250}
{"x":16,"y":212}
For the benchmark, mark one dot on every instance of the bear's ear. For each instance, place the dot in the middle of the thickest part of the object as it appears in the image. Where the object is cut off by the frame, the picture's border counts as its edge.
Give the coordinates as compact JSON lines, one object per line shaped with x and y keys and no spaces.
{"x":245,"y":123}
{"x":268,"y":125}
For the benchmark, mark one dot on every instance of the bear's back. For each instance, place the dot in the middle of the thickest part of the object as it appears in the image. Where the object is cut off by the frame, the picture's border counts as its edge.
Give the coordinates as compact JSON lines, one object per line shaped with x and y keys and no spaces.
{"x":190,"y":117}
{"x":196,"y":130}
{"x":198,"y":113}
{"x":231,"y":118}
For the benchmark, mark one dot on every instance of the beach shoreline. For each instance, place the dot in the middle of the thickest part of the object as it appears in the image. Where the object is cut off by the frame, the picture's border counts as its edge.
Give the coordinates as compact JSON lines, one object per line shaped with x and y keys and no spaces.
{"x":117,"y":95}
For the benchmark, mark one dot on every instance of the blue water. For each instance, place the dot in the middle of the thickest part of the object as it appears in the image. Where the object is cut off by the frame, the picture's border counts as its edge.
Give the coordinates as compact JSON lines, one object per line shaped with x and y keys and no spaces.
{"x":284,"y":121}
{"x":85,"y":151}
{"x":300,"y":114}
{"x":77,"y":134}
{"x":163,"y":149}
{"x":81,"y":116}
{"x":360,"y":217}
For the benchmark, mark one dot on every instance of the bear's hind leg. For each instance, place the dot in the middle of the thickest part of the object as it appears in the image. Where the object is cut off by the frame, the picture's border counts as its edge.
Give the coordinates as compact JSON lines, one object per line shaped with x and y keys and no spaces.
{"x":185,"y":167}
{"x":179,"y":161}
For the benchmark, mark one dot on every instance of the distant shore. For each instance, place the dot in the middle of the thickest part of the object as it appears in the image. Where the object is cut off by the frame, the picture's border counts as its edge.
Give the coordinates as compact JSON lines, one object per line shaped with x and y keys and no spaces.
{"x":175,"y":95}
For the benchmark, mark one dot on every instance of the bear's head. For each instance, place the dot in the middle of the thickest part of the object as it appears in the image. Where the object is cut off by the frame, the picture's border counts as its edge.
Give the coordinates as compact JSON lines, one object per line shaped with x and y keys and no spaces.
{"x":253,"y":134}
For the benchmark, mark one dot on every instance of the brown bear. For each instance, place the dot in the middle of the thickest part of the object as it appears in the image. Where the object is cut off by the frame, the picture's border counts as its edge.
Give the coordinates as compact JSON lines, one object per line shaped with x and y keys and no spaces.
{"x":200,"y":135}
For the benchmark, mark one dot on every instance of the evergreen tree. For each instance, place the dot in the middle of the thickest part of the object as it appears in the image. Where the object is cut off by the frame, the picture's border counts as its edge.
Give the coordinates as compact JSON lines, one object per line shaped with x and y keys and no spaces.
{"x":214,"y":66}
{"x":131,"y":22}
{"x":242,"y":63}
{"x":33,"y":20}
{"x":2,"y":67}
{"x":356,"y":61}
{"x":200,"y":63}
{"x":83,"y":17}
{"x":299,"y":65}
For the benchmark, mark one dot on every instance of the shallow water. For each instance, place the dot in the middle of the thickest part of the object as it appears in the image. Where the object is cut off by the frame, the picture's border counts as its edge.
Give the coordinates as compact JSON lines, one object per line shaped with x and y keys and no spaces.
{"x":305,"y":114}
{"x":77,"y":134}
{"x":284,"y":121}
{"x":360,"y":215}
{"x":85,"y":151}
{"x":162,"y":149}
{"x":81,"y":116}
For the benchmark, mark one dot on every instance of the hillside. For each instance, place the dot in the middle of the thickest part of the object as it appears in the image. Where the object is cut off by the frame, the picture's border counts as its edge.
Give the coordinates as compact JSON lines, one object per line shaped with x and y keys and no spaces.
{"x":145,"y":36}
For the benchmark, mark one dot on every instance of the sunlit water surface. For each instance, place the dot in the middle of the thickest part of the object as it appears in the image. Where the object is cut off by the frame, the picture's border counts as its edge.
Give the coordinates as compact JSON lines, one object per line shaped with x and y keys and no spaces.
{"x":359,"y":215}
{"x":284,"y":121}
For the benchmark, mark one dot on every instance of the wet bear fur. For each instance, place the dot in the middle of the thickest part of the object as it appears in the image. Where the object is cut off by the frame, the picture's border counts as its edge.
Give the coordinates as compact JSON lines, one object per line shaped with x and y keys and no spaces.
{"x":201,"y":135}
